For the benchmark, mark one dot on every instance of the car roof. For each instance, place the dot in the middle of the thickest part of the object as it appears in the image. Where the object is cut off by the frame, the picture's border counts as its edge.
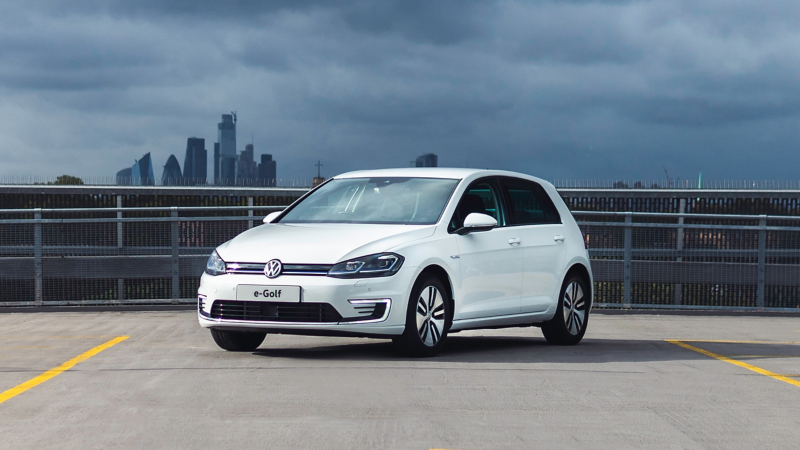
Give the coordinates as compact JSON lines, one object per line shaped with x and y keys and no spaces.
{"x":435,"y":172}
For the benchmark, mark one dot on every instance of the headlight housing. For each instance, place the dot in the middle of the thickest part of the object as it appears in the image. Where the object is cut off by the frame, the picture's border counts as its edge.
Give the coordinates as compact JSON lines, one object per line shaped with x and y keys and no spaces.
{"x":378,"y":265}
{"x":215,"y":264}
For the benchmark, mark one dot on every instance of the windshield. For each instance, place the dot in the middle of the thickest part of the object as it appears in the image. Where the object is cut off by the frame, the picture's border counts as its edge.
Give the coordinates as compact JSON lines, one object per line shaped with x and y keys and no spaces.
{"x":387,"y":200}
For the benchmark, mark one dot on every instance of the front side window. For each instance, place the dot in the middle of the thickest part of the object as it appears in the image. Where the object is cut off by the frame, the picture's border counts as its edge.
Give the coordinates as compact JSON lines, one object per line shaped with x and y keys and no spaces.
{"x":481,"y":197}
{"x":379,"y":200}
{"x":530,"y":204}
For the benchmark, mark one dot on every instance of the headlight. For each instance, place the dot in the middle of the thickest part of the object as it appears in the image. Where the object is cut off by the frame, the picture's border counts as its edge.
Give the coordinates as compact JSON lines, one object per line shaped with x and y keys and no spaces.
{"x":380,"y":265}
{"x":215,"y":264}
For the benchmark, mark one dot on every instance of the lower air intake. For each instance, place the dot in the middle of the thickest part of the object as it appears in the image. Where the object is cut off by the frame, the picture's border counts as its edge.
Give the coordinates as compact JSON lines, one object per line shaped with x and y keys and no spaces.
{"x":274,"y":311}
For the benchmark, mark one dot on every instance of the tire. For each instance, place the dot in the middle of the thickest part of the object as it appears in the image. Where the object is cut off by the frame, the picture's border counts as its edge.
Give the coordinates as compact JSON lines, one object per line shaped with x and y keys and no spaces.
{"x":568,"y":326}
{"x":237,"y":341}
{"x":426,"y":319}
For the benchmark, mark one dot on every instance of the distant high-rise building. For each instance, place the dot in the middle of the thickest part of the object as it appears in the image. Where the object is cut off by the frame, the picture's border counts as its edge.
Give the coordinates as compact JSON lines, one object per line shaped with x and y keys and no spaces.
{"x":216,"y":163}
{"x":195,"y":164}
{"x":267,"y":171}
{"x":247,"y":168}
{"x":142,"y":172}
{"x":226,"y":138}
{"x":172,"y":172}
{"x":124,"y":177}
{"x":428,"y":160}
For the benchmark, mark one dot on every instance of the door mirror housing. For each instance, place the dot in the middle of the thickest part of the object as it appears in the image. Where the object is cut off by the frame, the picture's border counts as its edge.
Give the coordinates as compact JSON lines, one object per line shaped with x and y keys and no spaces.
{"x":477,"y":222}
{"x":272,"y":216}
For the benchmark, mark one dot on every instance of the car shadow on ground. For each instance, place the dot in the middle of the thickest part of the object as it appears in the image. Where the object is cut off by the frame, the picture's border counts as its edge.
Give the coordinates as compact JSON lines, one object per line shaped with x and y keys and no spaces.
{"x":495,"y":349}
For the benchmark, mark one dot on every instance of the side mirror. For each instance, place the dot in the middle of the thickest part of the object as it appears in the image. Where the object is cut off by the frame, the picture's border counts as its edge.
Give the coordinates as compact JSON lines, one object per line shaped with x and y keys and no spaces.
{"x":477,"y":222}
{"x":272,"y":216}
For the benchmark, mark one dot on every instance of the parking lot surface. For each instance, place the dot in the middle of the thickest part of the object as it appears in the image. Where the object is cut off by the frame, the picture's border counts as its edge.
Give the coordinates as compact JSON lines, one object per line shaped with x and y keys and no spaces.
{"x":636,"y":381}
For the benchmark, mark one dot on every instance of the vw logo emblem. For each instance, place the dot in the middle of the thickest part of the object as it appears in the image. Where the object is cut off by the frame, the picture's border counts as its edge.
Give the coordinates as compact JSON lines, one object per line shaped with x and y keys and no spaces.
{"x":273,"y":268}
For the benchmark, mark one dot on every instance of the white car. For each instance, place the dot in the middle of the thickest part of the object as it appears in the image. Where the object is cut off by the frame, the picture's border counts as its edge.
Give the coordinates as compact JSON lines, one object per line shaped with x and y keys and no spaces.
{"x":405,"y":254}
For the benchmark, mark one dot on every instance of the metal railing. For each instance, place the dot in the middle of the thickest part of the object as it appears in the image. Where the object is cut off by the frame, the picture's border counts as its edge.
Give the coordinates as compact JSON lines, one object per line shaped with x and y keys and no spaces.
{"x":698,"y":261}
{"x":155,"y":255}
{"x":113,"y":255}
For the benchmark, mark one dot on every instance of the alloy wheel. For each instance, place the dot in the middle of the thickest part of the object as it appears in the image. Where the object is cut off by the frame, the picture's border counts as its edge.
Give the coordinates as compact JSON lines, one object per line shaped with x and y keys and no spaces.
{"x":430,"y":316}
{"x":574,"y":308}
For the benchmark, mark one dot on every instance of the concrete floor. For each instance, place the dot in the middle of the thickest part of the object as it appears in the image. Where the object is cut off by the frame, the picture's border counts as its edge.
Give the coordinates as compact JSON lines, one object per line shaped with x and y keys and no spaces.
{"x":169,"y":386}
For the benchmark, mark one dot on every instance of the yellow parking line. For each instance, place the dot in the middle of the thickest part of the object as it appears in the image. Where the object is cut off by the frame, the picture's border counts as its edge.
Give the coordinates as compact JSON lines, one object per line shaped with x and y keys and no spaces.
{"x":737,"y":363}
{"x":13,"y":392}
{"x":712,"y":341}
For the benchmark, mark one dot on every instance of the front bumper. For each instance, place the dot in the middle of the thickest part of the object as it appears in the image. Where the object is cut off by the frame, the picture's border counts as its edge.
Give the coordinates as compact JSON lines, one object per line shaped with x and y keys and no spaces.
{"x":348,"y":297}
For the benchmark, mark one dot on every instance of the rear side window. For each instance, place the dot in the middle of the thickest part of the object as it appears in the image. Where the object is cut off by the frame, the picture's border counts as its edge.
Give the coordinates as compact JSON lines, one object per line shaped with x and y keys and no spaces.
{"x":529,"y":203}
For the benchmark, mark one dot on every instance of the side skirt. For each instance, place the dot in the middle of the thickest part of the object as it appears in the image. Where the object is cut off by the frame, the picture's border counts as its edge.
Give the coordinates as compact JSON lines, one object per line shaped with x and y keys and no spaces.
{"x":514,"y":320}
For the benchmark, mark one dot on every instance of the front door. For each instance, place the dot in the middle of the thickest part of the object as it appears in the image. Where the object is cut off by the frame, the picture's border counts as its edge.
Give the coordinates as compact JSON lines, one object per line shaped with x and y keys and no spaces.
{"x":491,"y":261}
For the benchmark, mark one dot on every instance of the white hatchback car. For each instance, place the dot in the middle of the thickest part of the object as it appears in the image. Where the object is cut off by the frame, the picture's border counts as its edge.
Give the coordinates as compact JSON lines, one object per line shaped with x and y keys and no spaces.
{"x":405,"y":254}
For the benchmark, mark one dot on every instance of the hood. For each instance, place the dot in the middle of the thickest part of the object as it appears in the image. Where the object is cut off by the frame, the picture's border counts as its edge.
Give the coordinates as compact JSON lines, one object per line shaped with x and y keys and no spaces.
{"x":318,"y":243}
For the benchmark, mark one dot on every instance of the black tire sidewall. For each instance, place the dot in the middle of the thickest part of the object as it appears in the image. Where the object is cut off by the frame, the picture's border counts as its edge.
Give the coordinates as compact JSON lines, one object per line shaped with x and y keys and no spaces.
{"x":555,"y":330}
{"x":238,"y":341}
{"x":410,"y":341}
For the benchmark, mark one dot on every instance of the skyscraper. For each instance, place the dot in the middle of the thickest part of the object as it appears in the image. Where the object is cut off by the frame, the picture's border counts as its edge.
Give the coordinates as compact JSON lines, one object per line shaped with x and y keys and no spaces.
{"x":267,"y":171}
{"x":195,"y":164}
{"x":124,"y":177}
{"x":216,"y":163}
{"x":247,"y":168}
{"x":428,"y":160}
{"x":142,"y":172}
{"x":226,"y":138}
{"x":171,"y":176}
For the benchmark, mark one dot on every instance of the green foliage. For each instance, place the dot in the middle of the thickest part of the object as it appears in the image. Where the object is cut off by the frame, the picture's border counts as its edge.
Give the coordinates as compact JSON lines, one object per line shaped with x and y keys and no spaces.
{"x":67,"y":180}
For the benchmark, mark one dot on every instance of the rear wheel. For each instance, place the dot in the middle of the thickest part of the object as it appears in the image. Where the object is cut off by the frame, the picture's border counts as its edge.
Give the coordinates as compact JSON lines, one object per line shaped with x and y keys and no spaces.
{"x":426,"y":318}
{"x":568,"y":326}
{"x":237,"y":341}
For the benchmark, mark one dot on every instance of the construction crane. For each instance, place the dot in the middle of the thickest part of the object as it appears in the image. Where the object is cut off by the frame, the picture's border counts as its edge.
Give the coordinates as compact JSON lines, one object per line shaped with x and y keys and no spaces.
{"x":669,"y":180}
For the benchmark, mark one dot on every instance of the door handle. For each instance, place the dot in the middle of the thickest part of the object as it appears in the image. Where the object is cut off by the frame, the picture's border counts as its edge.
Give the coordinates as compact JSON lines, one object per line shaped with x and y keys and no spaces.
{"x":558,"y":238}
{"x":514,"y":241}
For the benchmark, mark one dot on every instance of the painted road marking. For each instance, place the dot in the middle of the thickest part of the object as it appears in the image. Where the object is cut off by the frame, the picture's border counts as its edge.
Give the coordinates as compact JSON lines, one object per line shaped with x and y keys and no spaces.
{"x":734,"y":362}
{"x":13,"y":392}
{"x":731,"y":342}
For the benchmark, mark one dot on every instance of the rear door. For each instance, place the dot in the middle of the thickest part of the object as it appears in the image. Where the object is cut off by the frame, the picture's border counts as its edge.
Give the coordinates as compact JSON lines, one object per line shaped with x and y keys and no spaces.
{"x":491,"y":261}
{"x":541,"y":233}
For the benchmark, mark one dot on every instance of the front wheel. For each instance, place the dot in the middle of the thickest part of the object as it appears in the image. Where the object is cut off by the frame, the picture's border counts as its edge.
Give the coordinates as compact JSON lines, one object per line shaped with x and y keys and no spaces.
{"x":426,"y":318}
{"x":568,"y":326}
{"x":237,"y":341}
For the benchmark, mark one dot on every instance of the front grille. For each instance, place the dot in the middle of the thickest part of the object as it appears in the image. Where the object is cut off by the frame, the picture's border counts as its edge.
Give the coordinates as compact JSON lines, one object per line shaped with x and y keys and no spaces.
{"x":274,"y":311}
{"x":288,"y":269}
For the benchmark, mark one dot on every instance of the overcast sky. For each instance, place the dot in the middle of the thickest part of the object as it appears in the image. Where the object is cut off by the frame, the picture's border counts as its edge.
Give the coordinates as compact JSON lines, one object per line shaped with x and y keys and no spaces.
{"x":558,"y":89}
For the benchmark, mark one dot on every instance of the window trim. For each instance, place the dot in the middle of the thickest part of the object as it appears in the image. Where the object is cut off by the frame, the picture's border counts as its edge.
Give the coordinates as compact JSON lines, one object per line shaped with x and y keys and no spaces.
{"x":510,"y":205}
{"x":501,"y":201}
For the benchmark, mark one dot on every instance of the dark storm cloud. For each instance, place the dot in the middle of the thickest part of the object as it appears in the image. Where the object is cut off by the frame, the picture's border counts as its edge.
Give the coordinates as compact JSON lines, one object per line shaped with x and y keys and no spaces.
{"x":593,"y":89}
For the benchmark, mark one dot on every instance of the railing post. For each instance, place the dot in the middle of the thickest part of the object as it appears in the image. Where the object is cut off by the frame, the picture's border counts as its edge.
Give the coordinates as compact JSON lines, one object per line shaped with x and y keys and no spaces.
{"x":626,"y":283}
{"x":762,"y":260}
{"x":249,"y":212}
{"x":37,"y":256}
{"x":679,"y":246}
{"x":120,"y":240}
{"x":176,"y":281}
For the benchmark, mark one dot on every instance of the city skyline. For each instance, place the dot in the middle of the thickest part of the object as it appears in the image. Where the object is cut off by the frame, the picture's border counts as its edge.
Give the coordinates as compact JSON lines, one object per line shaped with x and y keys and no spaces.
{"x":230,"y":166}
